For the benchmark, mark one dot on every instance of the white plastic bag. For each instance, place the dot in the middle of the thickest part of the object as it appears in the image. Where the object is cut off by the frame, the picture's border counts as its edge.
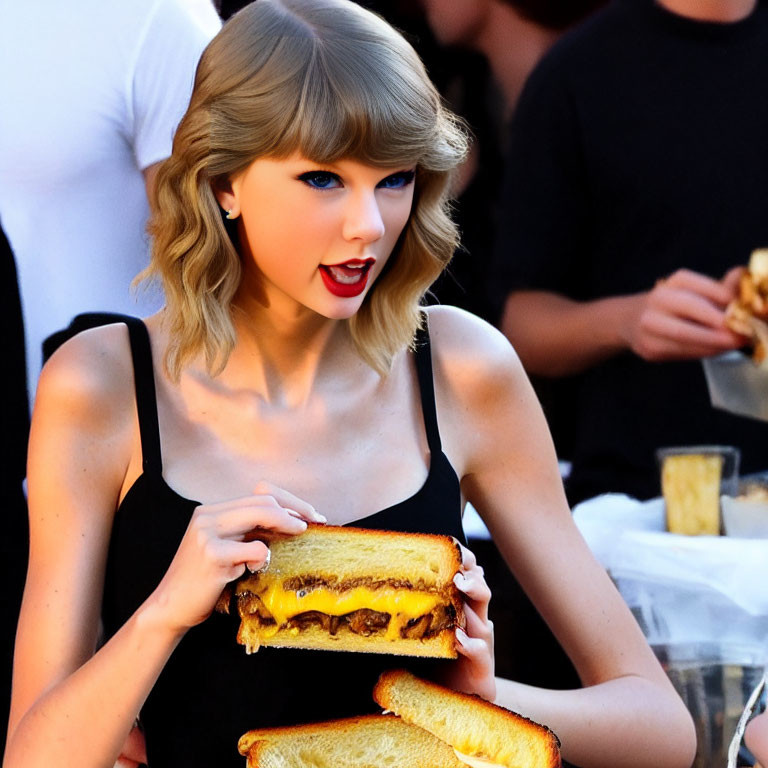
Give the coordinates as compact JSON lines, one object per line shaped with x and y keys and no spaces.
{"x":682,"y":589}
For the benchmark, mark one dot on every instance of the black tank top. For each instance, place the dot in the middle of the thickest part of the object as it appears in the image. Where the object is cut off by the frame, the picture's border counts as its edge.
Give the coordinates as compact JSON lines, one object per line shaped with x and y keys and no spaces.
{"x":210,"y":692}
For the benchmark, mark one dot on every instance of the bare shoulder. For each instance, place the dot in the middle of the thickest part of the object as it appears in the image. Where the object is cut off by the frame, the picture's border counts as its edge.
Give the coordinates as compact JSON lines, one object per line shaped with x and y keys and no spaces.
{"x":89,"y":380}
{"x":484,"y":398}
{"x":469,"y":353}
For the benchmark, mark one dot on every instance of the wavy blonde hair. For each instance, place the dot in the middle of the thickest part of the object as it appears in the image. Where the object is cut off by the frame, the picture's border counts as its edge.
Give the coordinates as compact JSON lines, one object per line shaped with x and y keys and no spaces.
{"x":330,"y":80}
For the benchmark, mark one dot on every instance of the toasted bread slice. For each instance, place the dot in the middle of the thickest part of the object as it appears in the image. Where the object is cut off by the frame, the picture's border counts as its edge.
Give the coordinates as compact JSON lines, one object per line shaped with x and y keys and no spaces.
{"x":353,"y":589}
{"x":471,"y":725}
{"x":370,"y":741}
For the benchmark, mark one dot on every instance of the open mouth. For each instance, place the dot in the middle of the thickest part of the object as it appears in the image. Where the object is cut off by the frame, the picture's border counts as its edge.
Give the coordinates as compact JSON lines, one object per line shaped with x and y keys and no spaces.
{"x":348,"y":278}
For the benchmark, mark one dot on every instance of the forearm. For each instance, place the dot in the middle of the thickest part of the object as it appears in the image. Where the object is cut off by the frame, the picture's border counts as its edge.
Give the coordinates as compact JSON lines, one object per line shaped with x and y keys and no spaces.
{"x":629,"y":722}
{"x":556,"y":336}
{"x":84,"y":720}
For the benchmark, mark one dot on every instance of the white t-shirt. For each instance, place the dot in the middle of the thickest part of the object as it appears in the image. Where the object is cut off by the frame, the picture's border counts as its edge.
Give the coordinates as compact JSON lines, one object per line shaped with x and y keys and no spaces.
{"x":91,"y":92}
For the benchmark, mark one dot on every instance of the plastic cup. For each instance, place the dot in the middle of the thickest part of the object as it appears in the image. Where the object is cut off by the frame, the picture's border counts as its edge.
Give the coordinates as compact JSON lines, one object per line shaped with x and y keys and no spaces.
{"x":693,"y":478}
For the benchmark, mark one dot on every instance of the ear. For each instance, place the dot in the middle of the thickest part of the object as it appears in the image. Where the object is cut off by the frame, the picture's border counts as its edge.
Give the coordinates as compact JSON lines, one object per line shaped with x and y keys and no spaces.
{"x":226,"y":195}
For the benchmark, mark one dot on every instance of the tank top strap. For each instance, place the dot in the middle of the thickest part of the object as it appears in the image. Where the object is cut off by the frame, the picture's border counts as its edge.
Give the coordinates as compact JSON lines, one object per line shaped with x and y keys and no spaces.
{"x":146,"y":397}
{"x":423,"y":353}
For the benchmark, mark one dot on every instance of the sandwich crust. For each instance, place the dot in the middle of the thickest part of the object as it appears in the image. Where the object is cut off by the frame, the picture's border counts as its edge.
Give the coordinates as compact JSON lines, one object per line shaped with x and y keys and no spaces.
{"x":468,"y":723}
{"x":354,"y":589}
{"x":356,"y":742}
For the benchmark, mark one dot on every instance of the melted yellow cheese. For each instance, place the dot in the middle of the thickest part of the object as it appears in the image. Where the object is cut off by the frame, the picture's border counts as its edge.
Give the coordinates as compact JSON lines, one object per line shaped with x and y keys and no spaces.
{"x":476,"y":762}
{"x":402,"y":604}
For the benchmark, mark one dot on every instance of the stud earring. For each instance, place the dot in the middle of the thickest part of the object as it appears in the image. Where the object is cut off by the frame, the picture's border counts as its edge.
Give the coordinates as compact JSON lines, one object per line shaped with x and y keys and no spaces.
{"x":229,"y":214}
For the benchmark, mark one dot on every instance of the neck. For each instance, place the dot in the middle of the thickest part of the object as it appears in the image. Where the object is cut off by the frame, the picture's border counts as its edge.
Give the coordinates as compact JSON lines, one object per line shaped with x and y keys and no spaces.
{"x":513,"y":46}
{"x":283,"y":351}
{"x":722,"y":11}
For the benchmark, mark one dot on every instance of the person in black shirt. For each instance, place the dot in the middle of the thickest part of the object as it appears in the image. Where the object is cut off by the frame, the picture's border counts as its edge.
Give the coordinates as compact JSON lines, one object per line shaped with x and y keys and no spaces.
{"x":636,"y":182}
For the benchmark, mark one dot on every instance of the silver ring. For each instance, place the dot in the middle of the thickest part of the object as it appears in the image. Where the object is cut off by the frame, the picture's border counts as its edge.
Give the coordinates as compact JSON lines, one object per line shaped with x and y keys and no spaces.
{"x":264,"y":566}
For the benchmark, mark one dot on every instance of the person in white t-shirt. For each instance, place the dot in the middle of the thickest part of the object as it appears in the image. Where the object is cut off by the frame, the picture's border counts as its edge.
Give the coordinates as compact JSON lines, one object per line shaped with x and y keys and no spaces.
{"x":90,"y":96}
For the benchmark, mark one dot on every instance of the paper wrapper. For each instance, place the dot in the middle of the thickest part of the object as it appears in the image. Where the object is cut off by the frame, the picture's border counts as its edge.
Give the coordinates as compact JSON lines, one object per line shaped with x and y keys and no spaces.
{"x":737,"y":385}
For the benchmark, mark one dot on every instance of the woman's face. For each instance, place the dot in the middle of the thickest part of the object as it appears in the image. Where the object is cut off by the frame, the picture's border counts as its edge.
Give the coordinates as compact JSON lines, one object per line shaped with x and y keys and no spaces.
{"x":316,"y":235}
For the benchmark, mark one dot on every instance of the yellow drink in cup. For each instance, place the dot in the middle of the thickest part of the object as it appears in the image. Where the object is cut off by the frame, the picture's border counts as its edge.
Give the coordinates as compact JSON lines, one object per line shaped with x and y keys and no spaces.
{"x":691,"y":489}
{"x":692,"y":481}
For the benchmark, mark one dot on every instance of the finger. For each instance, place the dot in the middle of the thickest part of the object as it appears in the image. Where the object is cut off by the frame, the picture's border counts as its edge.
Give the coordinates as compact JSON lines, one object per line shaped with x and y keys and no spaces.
{"x":475,"y":649}
{"x":234,"y":556}
{"x":478,"y":604}
{"x":664,"y":351}
{"x":237,"y":522}
{"x":259,"y":566}
{"x":690,"y":305}
{"x":468,"y":559}
{"x":289,"y":501}
{"x":731,"y":280}
{"x":689,"y":338}
{"x":473,"y":585}
{"x":705,"y":286}
{"x":476,"y":626}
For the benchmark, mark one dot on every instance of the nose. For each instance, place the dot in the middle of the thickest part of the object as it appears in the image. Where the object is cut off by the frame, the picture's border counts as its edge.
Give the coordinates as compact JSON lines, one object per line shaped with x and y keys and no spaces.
{"x":363,"y":220}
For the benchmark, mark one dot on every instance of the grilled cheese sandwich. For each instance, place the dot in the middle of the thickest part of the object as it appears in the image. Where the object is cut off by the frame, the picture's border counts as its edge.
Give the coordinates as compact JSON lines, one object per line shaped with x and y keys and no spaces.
{"x":352,"y":589}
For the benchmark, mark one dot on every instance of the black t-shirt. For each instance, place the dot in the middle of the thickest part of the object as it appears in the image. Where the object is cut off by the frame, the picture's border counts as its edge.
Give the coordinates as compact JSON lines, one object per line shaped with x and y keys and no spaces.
{"x":640,"y":146}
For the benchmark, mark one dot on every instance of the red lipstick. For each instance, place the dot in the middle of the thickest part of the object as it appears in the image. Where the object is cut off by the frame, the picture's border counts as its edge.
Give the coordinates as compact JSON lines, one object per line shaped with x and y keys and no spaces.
{"x":347,"y":279}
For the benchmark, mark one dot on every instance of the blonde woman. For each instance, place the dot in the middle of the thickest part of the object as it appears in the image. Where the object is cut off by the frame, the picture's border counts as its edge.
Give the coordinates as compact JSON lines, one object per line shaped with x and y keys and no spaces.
{"x":292,"y":377}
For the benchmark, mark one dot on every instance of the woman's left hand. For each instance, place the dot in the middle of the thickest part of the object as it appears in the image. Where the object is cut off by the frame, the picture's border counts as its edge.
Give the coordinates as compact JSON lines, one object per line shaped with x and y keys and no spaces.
{"x":474,"y":670}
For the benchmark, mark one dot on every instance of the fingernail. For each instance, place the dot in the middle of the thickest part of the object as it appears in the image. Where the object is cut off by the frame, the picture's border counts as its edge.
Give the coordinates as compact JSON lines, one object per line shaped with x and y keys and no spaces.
{"x":461,"y":635}
{"x":263,"y":567}
{"x":460,"y":580}
{"x":320,"y":518}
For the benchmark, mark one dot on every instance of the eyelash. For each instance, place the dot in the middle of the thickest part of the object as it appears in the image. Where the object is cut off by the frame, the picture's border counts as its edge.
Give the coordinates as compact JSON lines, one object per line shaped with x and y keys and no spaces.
{"x":311,"y":177}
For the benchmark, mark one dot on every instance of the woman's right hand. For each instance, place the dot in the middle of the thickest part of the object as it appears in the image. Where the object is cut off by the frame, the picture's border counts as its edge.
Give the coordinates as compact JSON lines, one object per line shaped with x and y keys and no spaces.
{"x":214,"y":550}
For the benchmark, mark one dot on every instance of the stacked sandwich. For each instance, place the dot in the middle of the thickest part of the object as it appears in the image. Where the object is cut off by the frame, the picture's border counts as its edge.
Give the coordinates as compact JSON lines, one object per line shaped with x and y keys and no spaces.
{"x":748,"y":314}
{"x":429,"y":726}
{"x":352,"y":589}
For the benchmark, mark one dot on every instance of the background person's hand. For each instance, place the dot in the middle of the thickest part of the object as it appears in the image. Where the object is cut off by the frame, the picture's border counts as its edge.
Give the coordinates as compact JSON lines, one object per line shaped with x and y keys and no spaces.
{"x":683,"y":317}
{"x":474,"y":670}
{"x":220,"y":542}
